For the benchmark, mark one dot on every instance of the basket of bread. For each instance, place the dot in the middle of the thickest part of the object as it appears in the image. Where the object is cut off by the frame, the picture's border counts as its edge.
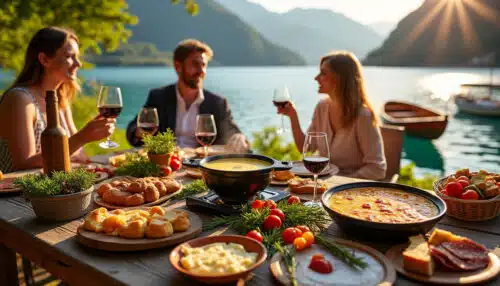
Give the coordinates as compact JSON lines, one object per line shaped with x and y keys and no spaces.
{"x":470,"y":196}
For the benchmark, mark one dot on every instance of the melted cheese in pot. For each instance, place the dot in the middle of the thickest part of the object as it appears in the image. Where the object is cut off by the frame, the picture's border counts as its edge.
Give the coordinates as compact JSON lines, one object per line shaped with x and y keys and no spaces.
{"x":217,"y":258}
{"x":382,"y":205}
{"x":236,"y":164}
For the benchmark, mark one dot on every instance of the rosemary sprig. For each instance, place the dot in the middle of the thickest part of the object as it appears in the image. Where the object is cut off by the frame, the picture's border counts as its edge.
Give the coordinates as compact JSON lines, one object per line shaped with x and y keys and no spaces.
{"x":315,"y":218}
{"x":288,"y":254}
{"x":341,"y":253}
{"x":270,"y":240}
{"x":195,"y":187}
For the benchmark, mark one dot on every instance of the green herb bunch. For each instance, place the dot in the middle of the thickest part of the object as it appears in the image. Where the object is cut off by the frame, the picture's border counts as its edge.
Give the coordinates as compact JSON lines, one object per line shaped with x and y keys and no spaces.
{"x":193,"y":188}
{"x":60,"y":183}
{"x":161,"y":143}
{"x":139,"y":167}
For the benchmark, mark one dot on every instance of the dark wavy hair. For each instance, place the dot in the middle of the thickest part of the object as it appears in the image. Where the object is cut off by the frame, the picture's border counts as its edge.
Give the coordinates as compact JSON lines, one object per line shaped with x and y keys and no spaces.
{"x":46,"y":40}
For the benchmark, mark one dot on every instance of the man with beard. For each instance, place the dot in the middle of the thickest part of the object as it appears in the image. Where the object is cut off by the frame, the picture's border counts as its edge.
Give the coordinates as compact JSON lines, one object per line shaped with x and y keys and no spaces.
{"x":179,"y":104}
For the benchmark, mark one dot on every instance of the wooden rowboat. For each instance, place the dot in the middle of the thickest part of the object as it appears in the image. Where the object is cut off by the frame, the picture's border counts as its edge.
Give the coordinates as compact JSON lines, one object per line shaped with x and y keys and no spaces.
{"x":417,"y":120}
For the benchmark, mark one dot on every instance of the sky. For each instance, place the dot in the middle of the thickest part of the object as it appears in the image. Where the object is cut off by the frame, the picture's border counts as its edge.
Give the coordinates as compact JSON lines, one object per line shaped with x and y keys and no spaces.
{"x":363,"y":11}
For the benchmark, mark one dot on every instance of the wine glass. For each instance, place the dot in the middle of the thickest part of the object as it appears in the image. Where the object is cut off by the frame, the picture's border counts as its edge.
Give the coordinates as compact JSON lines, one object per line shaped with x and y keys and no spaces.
{"x":147,"y":121}
{"x":110,"y":105}
{"x":315,"y":156}
{"x":280,"y":98}
{"x":206,"y":132}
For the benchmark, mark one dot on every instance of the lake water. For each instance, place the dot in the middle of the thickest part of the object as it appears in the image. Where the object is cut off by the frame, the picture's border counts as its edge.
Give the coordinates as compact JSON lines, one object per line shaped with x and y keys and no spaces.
{"x":469,"y":141}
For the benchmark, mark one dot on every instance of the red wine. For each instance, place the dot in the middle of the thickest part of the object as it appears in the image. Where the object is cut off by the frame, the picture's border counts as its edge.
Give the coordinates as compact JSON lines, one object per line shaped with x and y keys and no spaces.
{"x":110,"y":111}
{"x":315,"y":164}
{"x":149,"y":128}
{"x":206,"y":138}
{"x":280,"y":104}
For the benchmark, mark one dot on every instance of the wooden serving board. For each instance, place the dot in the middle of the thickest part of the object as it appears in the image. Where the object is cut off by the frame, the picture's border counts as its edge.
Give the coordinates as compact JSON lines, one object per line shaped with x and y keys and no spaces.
{"x":115,"y":243}
{"x":98,"y":201}
{"x":378,"y":272}
{"x":6,"y":186}
{"x":442,"y":276}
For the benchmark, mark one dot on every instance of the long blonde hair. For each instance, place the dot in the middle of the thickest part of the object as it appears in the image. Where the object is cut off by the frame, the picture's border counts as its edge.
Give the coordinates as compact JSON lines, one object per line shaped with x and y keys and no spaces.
{"x":350,"y":87}
{"x":46,"y":40}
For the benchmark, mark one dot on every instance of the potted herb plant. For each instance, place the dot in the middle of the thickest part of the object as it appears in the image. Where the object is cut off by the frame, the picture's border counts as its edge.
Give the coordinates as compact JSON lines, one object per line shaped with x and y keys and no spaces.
{"x":61,"y":196}
{"x":160,"y":147}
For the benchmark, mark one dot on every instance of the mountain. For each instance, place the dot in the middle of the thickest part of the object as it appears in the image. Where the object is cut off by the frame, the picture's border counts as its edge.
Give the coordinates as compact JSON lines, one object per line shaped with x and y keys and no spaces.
{"x":309,"y":32}
{"x":383,"y":28}
{"x":234,"y":43}
{"x":433,"y":35}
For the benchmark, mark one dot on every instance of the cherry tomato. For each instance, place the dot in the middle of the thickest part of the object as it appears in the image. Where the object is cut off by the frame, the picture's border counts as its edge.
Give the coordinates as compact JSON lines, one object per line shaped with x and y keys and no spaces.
{"x":270,"y":204}
{"x":175,"y":164}
{"x":318,"y":256}
{"x":454,"y":189}
{"x":321,"y":266}
{"x":279,"y":213}
{"x":303,"y":228}
{"x":465,"y":178}
{"x":300,"y":243}
{"x":498,"y":184}
{"x":293,"y":200}
{"x":257,"y":204}
{"x":309,"y":236}
{"x":464,"y":183}
{"x":444,"y":192}
{"x":470,"y":195}
{"x":166,"y":171}
{"x":290,"y":234}
{"x":255,"y":235}
{"x":272,"y":222}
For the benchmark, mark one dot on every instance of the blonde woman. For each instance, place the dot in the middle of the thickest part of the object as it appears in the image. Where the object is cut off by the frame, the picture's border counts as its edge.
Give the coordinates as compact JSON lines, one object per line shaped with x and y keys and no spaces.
{"x":346,"y":116}
{"x":51,"y":63}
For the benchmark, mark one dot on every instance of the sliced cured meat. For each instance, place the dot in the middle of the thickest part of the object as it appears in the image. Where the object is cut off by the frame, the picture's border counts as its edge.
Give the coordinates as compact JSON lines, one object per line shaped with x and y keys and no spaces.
{"x":7,"y":183}
{"x":443,"y":259}
{"x":453,"y":262}
{"x":466,"y":249}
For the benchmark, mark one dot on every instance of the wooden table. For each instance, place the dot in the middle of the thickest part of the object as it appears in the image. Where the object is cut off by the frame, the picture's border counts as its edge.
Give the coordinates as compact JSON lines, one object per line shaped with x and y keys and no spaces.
{"x":53,"y":246}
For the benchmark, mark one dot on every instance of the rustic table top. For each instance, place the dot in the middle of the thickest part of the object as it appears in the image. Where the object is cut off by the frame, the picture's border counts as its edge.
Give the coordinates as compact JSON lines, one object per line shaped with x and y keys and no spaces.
{"x":53,"y":246}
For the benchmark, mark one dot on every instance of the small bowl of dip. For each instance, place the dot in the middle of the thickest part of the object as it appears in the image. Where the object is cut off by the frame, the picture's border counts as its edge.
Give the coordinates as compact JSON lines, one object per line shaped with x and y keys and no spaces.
{"x":218,"y":259}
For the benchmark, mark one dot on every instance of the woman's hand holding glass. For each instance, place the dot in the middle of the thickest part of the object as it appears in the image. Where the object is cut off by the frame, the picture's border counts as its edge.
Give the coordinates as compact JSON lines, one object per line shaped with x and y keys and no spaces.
{"x":98,"y":128}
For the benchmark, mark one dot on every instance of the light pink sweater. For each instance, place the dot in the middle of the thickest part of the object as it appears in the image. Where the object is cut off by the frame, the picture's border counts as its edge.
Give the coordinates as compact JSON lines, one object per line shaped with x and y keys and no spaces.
{"x":358,"y":149}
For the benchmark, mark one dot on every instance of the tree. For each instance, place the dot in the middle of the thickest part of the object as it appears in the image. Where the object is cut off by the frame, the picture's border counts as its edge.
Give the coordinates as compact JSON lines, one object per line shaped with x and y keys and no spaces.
{"x":99,"y":24}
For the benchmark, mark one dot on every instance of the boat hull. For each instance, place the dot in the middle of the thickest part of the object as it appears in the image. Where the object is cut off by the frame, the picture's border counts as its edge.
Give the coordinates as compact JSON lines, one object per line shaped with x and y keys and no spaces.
{"x":467,"y":106}
{"x":418,"y":121}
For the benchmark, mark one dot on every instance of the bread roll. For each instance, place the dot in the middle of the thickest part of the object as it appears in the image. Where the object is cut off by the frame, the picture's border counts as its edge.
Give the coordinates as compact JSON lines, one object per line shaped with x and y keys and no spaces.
{"x":159,"y":228}
{"x":151,"y":194}
{"x":134,"y":229}
{"x":104,"y":188}
{"x":306,"y":186}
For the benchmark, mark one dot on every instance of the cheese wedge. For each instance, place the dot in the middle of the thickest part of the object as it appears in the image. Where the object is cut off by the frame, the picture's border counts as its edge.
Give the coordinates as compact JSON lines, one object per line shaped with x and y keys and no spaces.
{"x":417,"y":257}
{"x":438,"y":236}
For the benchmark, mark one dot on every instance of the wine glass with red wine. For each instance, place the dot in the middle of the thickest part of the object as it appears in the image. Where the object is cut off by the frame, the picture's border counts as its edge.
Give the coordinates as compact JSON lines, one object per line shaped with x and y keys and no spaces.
{"x":206,"y":132}
{"x":110,"y":105}
{"x":280,"y":98}
{"x":147,"y":121}
{"x":315,"y":156}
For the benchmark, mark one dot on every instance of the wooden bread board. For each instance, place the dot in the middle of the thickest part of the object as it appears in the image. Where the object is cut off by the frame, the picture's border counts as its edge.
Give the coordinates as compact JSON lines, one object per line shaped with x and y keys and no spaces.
{"x":98,"y":201}
{"x":441,"y":276}
{"x":115,"y":243}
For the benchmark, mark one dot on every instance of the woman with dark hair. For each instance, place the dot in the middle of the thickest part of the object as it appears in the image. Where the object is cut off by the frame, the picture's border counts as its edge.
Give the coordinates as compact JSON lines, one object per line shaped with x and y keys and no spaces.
{"x":51,"y":63}
{"x":346,"y":116}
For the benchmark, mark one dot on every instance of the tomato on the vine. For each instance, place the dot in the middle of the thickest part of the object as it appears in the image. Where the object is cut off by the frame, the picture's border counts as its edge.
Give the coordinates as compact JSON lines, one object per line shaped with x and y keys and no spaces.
{"x":269,"y":204}
{"x":255,"y":235}
{"x":272,"y":222}
{"x":166,"y":171}
{"x":293,"y":200}
{"x":300,"y":243}
{"x":303,"y":228}
{"x":257,"y":204}
{"x":309,"y":237}
{"x":290,"y":234}
{"x":175,"y":164}
{"x":279,"y":213}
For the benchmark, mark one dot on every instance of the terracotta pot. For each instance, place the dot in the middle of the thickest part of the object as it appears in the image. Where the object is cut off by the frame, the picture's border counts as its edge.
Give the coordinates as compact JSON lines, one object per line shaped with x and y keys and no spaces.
{"x":62,"y":207}
{"x":160,"y":159}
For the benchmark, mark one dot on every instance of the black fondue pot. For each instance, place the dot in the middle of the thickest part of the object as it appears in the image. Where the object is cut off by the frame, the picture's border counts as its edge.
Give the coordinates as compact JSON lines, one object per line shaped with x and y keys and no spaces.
{"x":236,"y":187}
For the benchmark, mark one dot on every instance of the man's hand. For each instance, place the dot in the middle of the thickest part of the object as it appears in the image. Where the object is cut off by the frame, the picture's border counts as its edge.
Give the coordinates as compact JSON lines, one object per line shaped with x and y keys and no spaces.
{"x":238,"y":143}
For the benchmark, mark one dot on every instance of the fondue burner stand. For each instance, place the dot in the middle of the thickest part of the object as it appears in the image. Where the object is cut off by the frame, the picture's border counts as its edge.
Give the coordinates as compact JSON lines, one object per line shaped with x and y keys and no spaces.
{"x":211,"y":201}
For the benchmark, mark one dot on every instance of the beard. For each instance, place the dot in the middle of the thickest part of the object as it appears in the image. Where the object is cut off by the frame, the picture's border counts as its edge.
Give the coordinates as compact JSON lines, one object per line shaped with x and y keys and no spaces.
{"x":193,"y":82}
